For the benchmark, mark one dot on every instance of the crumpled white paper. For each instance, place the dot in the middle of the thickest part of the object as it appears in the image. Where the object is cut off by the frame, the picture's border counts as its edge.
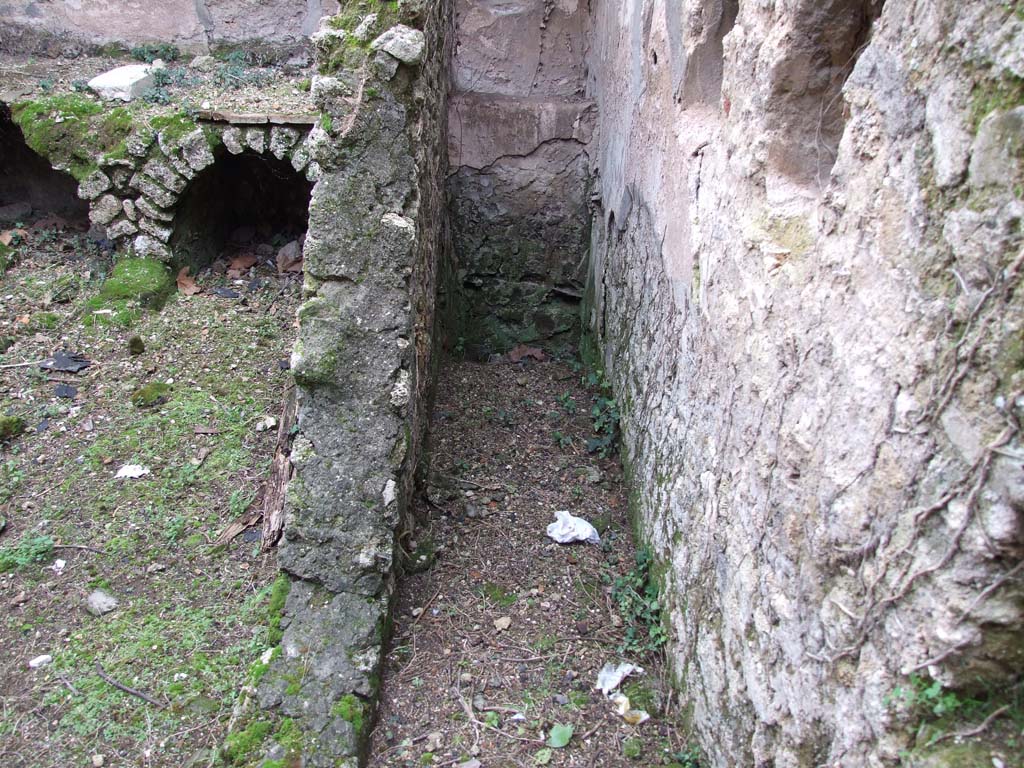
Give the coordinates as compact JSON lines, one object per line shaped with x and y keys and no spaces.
{"x":611,"y":676}
{"x":568,"y":528}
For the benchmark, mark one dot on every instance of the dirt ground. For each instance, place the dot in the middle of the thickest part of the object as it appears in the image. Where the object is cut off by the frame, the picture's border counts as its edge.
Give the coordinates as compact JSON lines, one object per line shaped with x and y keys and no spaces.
{"x":498,"y":640}
{"x":191,"y":617}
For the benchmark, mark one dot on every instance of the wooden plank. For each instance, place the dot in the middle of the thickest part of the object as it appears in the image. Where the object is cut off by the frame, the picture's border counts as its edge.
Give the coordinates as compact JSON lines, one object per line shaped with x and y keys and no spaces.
{"x":280,"y":474}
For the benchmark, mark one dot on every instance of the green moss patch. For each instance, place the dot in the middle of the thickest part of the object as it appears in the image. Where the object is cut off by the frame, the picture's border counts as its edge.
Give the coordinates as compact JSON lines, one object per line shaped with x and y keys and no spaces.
{"x":275,"y":609}
{"x":133,"y":284}
{"x":72,"y":131}
{"x":151,"y":395}
{"x":174,"y":127}
{"x":11,"y":427}
{"x":350,"y":709}
{"x":242,"y":745}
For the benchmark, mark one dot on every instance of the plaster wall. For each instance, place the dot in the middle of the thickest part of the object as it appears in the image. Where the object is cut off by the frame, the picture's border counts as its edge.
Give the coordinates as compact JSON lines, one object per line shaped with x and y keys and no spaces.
{"x":805,"y":286}
{"x":191,"y":24}
{"x":519,"y":127}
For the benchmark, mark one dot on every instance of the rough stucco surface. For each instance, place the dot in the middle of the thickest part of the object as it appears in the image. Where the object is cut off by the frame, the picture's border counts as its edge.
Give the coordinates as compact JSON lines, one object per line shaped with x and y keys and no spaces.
{"x":519,"y":184}
{"x":191,"y":24}
{"x":363,"y":368}
{"x":813,"y":323}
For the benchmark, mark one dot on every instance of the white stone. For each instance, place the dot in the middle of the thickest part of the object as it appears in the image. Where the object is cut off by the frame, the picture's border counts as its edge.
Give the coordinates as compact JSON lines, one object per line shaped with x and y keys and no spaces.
{"x":362,"y":32}
{"x":40,"y":661}
{"x":124,"y":83}
{"x":404,"y":43}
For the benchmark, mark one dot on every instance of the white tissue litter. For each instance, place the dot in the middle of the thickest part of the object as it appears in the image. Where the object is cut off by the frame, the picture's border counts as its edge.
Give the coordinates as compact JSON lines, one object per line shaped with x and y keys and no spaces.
{"x":132,"y":471}
{"x":568,"y":528}
{"x":611,"y":676}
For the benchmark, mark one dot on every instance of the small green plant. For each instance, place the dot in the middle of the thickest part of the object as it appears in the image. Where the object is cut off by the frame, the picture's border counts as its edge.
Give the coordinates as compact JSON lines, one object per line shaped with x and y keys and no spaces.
{"x":561,"y":440}
{"x":28,"y":551}
{"x":151,"y":395}
{"x":687,"y":758}
{"x":492,"y":719}
{"x":11,"y":476}
{"x":636,"y":596}
{"x":11,"y":427}
{"x":157,"y":95}
{"x":568,"y":403}
{"x":151,"y":52}
{"x":497,"y":594}
{"x":632,"y":749}
{"x":240,"y":501}
{"x":46,"y":85}
{"x":326,"y":122}
{"x":925,"y":697}
{"x":605,"y":417}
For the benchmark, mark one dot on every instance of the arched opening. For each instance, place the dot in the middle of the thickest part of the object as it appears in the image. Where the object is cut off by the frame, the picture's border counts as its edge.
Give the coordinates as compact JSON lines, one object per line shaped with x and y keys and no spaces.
{"x":29,"y":187}
{"x":240,"y":202}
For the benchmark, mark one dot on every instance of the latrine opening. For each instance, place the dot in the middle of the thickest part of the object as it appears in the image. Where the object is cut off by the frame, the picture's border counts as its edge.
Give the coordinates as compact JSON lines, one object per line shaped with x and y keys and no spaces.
{"x":241,"y":203}
{"x":29,"y":187}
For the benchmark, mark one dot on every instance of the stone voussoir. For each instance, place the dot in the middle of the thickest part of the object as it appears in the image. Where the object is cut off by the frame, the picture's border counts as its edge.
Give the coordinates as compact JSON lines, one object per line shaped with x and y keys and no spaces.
{"x":154,"y":191}
{"x":94,"y":185}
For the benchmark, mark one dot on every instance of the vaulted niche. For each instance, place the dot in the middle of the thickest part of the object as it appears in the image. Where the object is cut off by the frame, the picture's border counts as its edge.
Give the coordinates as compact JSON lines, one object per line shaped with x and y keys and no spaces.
{"x":240,"y":200}
{"x":29,"y":187}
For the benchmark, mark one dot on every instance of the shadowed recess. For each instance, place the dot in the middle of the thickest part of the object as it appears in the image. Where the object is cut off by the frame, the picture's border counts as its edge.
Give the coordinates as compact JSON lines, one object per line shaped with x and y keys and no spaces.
{"x":28,"y":185}
{"x":238,"y":199}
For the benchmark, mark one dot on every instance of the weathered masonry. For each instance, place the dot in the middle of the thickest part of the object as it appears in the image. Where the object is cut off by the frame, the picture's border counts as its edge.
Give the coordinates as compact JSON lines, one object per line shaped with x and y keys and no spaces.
{"x":789,"y":234}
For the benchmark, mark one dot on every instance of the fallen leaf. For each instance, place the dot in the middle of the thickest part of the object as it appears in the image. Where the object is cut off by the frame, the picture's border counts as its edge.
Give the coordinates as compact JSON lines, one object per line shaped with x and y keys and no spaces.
{"x":187,"y":285}
{"x":559,"y":736}
{"x":132,"y":471}
{"x":542,"y":756}
{"x":22,"y":319}
{"x":503,"y":623}
{"x":7,"y":237}
{"x":241,"y":264}
{"x":520,"y":351}
{"x":200,"y":430}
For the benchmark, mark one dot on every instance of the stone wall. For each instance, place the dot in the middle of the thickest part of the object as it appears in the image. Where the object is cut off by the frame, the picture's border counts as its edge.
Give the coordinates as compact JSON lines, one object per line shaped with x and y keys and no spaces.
{"x":805,"y":286}
{"x":195,"y":25}
{"x":519,"y":129}
{"x":363,"y":368}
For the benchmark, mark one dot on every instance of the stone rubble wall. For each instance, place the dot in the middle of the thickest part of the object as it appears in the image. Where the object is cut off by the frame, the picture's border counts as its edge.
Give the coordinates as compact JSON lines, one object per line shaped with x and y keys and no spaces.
{"x":363,"y":367}
{"x":519,"y":128}
{"x":193,"y":25}
{"x":805,"y":287}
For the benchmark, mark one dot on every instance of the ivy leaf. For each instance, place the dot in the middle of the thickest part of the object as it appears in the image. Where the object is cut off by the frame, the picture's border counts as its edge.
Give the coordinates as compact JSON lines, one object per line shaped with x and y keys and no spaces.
{"x":559,"y":736}
{"x":542,"y":756}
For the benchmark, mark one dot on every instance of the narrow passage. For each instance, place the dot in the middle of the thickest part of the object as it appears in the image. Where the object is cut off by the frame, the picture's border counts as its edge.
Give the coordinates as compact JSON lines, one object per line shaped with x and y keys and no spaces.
{"x":500,"y":634}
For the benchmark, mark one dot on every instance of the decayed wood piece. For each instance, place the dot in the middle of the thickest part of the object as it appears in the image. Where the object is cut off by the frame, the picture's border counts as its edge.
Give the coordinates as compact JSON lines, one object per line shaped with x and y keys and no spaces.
{"x":280,"y":474}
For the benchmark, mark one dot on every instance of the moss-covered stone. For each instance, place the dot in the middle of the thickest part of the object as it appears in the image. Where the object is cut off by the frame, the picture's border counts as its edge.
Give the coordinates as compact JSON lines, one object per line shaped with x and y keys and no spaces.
{"x":73,"y":131}
{"x":240,"y":746}
{"x":133,"y":285}
{"x":351,"y":709}
{"x":11,"y":427}
{"x":275,"y":608}
{"x":151,"y":395}
{"x":136,"y":346}
{"x":174,"y":127}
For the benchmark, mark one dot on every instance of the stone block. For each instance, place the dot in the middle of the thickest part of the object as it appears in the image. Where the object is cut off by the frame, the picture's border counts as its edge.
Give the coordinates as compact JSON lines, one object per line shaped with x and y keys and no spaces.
{"x":256,"y":140}
{"x":404,"y":43}
{"x":125,"y":83}
{"x":121,"y":228}
{"x":104,"y":210}
{"x":150,"y":227}
{"x":151,"y":248}
{"x":93,"y":185}
{"x":154,"y":191}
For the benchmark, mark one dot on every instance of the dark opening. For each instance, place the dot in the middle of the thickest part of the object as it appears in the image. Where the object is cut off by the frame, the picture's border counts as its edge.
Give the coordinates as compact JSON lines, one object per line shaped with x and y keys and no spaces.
{"x":29,"y":187}
{"x":239,"y":202}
